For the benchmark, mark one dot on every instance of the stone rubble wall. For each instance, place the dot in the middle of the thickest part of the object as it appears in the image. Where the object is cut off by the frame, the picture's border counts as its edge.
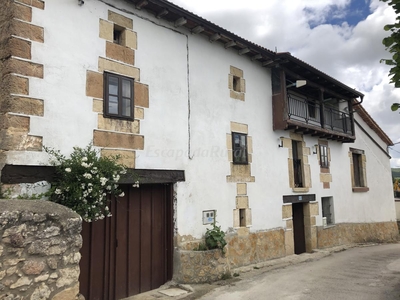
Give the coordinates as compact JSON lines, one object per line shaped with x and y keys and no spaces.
{"x":258,"y":247}
{"x":349,"y":233}
{"x":201,"y":266}
{"x":241,"y":250}
{"x":39,"y":251}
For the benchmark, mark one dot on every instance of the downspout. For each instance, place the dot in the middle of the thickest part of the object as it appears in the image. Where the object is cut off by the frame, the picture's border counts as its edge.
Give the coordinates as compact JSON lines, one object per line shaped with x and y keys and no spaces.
{"x":358,"y":103}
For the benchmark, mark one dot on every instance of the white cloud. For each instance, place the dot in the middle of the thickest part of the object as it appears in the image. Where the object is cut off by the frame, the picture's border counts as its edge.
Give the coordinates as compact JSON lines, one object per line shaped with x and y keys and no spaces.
{"x":350,"y":54}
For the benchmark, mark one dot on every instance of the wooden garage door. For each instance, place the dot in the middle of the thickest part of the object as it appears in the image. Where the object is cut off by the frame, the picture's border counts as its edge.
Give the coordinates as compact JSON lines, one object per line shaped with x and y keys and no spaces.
{"x":130,"y":252}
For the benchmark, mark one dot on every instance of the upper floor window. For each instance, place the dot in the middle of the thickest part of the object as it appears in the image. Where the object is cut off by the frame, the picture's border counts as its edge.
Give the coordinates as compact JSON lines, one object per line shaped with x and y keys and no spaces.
{"x":118,"y":96}
{"x":118,"y":35}
{"x":358,"y":170}
{"x":239,"y":147}
{"x":297,"y":153}
{"x":323,"y":156}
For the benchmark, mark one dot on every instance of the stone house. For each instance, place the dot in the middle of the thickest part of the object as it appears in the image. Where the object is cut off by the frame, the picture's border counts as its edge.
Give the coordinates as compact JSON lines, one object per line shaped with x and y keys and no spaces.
{"x":283,"y":156}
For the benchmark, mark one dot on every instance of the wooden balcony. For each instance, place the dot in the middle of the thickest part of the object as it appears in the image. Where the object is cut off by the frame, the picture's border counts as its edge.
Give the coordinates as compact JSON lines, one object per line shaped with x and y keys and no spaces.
{"x":319,"y":109}
{"x":313,"y":118}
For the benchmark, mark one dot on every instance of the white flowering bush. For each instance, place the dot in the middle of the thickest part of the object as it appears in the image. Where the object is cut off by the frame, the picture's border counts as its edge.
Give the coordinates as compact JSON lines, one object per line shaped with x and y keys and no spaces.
{"x":85,"y":181}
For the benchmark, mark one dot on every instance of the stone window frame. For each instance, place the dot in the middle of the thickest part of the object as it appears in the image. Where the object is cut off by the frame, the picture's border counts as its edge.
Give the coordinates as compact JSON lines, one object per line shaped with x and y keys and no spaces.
{"x":358,"y":170}
{"x":324,"y":160}
{"x":235,"y":150}
{"x":305,"y":166}
{"x":120,"y":78}
{"x":236,"y":84}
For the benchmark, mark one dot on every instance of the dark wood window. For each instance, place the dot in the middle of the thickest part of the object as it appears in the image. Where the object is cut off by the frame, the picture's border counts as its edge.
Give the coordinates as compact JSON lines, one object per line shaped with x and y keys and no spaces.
{"x":239,"y":147}
{"x":118,"y":98}
{"x":358,"y":170}
{"x":297,"y":165}
{"x":323,"y":156}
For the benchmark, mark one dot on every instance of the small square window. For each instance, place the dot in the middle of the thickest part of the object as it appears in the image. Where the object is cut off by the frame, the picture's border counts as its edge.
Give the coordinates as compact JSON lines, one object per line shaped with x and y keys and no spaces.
{"x":118,"y":96}
{"x":236,"y":84}
{"x":118,"y":34}
{"x":239,"y":147}
{"x":323,"y":156}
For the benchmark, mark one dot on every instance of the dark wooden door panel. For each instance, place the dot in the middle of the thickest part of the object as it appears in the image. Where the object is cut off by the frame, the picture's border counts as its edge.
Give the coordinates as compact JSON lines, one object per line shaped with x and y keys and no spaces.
{"x":298,"y":228}
{"x":122,"y":231}
{"x":134,"y":247}
{"x":131,"y":252}
{"x":158,"y":235}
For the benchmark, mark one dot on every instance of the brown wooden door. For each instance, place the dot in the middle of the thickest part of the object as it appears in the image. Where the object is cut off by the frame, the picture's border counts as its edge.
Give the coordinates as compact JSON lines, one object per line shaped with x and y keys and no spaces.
{"x":298,"y":228}
{"x":131,"y":252}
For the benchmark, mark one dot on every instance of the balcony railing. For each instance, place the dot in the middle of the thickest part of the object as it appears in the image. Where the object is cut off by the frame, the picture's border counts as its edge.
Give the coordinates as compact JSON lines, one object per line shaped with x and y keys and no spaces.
{"x":309,"y":112}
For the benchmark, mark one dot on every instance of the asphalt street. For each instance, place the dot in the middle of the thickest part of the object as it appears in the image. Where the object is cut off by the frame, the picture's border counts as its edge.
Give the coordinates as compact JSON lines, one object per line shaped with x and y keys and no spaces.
{"x":365,"y":273}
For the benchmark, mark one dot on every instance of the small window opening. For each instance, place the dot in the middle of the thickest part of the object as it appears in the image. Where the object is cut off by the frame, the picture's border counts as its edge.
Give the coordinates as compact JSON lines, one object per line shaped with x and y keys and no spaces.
{"x":297,"y":164}
{"x":236,"y":84}
{"x":242,"y":217}
{"x":327,"y":210}
{"x":118,"y":33}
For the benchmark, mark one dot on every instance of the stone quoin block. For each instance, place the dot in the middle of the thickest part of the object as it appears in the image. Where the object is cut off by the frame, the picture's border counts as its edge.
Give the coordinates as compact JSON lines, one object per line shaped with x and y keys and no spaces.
{"x":117,"y":140}
{"x":121,"y":53}
{"x":127,"y":157}
{"x":113,"y":66}
{"x":141,"y":94}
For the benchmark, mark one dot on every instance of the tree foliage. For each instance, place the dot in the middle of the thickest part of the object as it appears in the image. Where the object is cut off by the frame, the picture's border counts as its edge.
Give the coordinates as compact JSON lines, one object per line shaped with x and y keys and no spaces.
{"x":392,"y":44}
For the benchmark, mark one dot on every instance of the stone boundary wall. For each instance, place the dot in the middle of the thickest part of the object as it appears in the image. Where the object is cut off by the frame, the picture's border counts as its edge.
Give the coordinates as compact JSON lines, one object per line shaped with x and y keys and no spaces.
{"x":39,"y":250}
{"x":241,"y":250}
{"x":200,"y":266}
{"x":253,"y":248}
{"x":349,"y":233}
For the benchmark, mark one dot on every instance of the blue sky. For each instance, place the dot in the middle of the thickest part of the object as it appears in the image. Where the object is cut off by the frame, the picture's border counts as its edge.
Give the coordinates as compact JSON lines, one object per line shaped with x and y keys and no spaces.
{"x":352,"y":12}
{"x":342,"y":38}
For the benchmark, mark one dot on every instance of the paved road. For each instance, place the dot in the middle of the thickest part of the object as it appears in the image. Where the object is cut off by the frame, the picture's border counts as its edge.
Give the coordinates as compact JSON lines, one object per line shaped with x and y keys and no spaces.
{"x":365,"y":273}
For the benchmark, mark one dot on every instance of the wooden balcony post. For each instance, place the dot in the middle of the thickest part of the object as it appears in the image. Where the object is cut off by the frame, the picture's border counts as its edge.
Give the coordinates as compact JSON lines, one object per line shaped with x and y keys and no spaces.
{"x":322,"y":108}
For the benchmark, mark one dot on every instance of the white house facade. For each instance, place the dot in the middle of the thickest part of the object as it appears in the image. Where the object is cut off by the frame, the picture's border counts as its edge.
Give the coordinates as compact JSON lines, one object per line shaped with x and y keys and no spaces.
{"x":284,"y":157}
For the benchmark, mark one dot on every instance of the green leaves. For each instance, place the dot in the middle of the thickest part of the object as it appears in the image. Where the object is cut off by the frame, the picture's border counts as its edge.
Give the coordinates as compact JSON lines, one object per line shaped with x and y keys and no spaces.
{"x":395,"y":106}
{"x":392,"y":44}
{"x":215,"y":238}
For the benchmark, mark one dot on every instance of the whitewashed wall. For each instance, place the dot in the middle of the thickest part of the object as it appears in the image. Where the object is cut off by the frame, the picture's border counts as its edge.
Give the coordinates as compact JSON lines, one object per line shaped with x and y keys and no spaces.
{"x":190,"y":106}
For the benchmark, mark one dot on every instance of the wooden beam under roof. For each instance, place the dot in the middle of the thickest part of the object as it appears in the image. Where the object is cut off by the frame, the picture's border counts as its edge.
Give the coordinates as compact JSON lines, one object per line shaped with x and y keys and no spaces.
{"x":257,"y":56}
{"x":181,"y":21}
{"x":244,"y":51}
{"x":230,"y":44}
{"x":162,"y":13}
{"x":197,"y":29}
{"x":214,"y":37}
{"x":141,"y":4}
{"x":267,"y":63}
